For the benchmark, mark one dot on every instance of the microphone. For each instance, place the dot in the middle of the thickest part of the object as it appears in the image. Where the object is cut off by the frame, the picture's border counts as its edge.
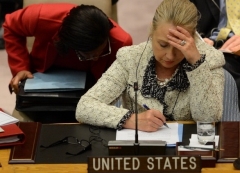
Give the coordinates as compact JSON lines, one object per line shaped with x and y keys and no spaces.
{"x":136,"y":147}
{"x":135,"y":86}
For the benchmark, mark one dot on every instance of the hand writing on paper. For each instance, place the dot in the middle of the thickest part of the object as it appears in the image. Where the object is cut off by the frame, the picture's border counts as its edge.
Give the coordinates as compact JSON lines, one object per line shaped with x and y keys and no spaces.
{"x":148,"y":121}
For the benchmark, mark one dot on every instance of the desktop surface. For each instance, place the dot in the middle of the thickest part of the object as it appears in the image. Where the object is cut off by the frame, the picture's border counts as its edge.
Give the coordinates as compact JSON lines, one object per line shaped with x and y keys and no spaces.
{"x":80,"y":167}
{"x":77,"y":168}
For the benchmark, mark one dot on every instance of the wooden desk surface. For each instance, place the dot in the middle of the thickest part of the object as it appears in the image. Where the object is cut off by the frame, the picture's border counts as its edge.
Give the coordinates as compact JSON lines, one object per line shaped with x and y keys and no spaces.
{"x":80,"y":168}
{"x":77,"y":168}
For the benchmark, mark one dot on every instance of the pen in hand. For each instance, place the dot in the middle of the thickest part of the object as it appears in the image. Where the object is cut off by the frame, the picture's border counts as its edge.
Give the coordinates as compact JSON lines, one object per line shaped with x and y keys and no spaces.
{"x":147,"y":108}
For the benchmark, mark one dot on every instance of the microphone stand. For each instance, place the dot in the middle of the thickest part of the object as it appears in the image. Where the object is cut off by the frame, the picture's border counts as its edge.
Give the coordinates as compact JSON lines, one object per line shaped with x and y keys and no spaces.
{"x":136,"y":143}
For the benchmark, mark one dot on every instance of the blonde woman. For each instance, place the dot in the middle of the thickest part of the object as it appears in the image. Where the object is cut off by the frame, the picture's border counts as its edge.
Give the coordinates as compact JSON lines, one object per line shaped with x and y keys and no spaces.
{"x":177,"y":75}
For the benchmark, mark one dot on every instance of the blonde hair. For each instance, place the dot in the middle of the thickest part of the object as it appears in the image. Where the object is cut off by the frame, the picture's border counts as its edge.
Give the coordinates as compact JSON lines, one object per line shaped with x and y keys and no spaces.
{"x":178,"y":12}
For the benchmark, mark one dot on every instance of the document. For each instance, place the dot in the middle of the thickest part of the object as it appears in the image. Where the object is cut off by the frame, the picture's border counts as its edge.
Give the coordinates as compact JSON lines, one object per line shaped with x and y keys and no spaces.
{"x":195,"y":145}
{"x":171,"y":135}
{"x":194,"y":141}
{"x":9,"y":139}
{"x":226,"y":51}
{"x":56,"y":80}
{"x":6,"y":119}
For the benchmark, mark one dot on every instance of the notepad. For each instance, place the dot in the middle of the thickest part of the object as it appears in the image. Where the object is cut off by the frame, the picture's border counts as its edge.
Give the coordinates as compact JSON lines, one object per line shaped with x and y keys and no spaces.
{"x":170,"y":135}
{"x":56,"y":80}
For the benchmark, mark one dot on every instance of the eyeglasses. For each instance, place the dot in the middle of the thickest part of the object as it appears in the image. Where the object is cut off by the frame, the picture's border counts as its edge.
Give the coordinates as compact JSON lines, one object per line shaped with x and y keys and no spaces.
{"x":84,"y":144}
{"x":95,"y":137}
{"x":81,"y":57}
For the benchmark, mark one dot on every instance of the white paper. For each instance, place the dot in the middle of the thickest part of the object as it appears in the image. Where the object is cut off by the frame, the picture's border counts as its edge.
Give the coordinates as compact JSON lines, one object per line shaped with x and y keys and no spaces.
{"x":226,"y":51}
{"x":194,"y":143}
{"x":170,"y":135}
{"x":9,"y":139}
{"x":6,"y":119}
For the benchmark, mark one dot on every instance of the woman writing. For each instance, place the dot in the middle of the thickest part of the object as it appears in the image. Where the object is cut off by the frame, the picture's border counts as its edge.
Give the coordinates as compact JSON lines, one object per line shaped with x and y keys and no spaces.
{"x":178,"y":76}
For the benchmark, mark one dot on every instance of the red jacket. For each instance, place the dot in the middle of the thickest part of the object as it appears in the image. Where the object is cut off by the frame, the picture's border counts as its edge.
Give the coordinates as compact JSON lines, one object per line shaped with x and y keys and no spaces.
{"x":43,"y":22}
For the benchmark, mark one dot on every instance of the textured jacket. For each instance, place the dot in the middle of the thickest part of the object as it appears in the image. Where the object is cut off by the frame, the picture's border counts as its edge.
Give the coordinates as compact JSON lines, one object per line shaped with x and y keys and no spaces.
{"x":203,"y":100}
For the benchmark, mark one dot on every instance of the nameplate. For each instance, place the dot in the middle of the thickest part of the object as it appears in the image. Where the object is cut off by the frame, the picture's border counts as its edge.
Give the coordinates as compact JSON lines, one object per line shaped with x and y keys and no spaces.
{"x":143,"y":164}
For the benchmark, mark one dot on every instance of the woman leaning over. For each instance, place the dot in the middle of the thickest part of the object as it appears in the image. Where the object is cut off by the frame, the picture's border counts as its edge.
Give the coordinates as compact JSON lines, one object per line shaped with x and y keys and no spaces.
{"x":179,"y":77}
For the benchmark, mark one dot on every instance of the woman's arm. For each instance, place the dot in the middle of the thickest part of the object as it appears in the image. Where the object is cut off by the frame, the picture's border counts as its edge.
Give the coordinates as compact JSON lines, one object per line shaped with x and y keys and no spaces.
{"x":96,"y":106}
{"x":17,"y":26}
{"x":207,"y":85}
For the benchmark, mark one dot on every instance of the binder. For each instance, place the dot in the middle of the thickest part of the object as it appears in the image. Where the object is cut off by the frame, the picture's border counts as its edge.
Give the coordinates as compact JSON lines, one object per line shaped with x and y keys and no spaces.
{"x":11,"y":136}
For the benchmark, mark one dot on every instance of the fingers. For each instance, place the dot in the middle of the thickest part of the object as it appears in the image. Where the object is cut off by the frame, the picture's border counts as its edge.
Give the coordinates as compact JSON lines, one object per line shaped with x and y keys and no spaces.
{"x":180,"y":33}
{"x":14,"y":83}
{"x":235,"y":49}
{"x":179,"y":37}
{"x":154,"y":123}
{"x":151,"y":120}
{"x":148,"y":121}
{"x":231,"y":42}
{"x":182,"y":40}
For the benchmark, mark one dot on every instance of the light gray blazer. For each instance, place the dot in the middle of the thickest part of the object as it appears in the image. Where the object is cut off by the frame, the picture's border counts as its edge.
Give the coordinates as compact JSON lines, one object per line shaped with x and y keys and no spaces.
{"x":203,"y":100}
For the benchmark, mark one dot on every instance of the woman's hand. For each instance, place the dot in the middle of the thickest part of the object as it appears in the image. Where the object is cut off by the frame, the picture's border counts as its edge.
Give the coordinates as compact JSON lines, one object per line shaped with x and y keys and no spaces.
{"x":181,"y":39}
{"x":148,"y":121}
{"x":14,"y":83}
{"x":232,"y":44}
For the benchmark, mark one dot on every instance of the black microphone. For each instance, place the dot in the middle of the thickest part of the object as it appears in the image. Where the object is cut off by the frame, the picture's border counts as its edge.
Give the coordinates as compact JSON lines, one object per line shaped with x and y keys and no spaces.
{"x":135,"y":86}
{"x":134,"y":147}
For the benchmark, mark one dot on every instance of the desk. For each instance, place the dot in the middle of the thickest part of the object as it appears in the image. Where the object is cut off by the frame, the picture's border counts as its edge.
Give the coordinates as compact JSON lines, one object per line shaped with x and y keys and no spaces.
{"x":77,"y":168}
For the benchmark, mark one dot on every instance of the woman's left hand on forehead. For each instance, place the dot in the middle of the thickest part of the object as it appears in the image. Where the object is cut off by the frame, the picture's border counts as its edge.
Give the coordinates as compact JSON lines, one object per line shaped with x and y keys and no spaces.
{"x":181,"y":39}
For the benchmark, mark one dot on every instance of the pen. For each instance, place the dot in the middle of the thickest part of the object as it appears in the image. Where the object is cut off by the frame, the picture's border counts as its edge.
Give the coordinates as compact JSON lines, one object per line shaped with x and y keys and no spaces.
{"x":146,"y":107}
{"x":201,"y":148}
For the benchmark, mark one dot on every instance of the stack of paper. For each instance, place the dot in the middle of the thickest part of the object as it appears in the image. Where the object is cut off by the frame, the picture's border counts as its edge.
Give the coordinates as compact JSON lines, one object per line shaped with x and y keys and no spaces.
{"x":194,"y":141}
{"x":6,"y":119}
{"x":171,"y":135}
{"x":10,"y":133}
{"x":195,"y":145}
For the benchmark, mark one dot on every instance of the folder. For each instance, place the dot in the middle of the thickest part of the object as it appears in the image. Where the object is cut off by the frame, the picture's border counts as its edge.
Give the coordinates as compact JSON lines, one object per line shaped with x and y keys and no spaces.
{"x":56,"y":80}
{"x":12,"y":135}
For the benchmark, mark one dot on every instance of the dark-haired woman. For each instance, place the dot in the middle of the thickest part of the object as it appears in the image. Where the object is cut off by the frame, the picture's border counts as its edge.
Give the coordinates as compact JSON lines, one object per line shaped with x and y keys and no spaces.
{"x":66,"y":36}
